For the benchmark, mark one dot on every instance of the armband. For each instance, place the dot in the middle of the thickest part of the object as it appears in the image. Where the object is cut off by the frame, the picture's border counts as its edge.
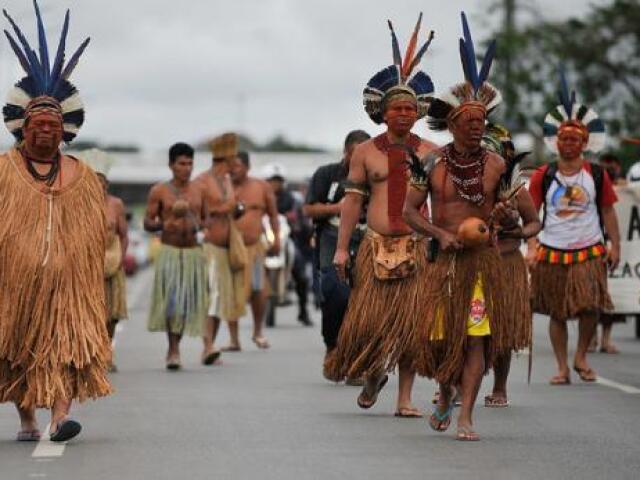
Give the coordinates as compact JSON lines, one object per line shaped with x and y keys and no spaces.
{"x":419,"y":184}
{"x":356,"y":187}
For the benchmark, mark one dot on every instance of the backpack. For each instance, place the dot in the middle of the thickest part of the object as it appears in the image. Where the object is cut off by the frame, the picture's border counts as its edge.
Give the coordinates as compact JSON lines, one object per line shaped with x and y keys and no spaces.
{"x":597,"y":172}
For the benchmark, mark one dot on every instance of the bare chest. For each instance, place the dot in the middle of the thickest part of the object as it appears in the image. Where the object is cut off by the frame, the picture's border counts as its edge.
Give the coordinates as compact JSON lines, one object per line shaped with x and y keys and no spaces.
{"x":192,"y":196}
{"x":251,"y":195}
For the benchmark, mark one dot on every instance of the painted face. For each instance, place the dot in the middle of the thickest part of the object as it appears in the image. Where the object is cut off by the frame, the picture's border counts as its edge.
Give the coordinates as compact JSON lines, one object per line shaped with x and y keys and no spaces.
{"x":468,"y":127}
{"x":43,"y":133}
{"x":400,"y":116}
{"x":182,"y":168}
{"x":571,"y":144}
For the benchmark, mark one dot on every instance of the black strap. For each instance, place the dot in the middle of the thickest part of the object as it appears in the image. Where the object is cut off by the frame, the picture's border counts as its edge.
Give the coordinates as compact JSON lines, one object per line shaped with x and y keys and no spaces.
{"x":597,"y":172}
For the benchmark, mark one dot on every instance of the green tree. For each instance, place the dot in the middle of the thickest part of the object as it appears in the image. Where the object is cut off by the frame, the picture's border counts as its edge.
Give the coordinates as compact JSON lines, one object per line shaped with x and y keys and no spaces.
{"x":601,"y":52}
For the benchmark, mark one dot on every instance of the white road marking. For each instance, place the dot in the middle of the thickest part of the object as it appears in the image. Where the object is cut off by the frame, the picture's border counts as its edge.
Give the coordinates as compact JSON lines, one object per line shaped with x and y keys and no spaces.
{"x":619,"y":386}
{"x":47,"y":448}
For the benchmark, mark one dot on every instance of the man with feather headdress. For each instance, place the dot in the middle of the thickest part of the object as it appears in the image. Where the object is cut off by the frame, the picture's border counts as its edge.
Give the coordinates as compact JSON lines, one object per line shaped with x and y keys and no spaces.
{"x":461,"y":310}
{"x":54,"y":346}
{"x":569,"y":274}
{"x":380,"y":319}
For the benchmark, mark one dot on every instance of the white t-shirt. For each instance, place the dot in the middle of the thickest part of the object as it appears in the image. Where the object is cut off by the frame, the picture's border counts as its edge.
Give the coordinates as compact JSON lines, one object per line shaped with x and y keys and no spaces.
{"x":571,"y":220}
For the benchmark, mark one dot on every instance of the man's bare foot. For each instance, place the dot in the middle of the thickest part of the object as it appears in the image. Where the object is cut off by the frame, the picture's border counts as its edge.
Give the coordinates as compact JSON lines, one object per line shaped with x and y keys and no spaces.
{"x":586,"y":373}
{"x":28,"y":435}
{"x":173,"y":362}
{"x":210,"y":357}
{"x":466,"y":434}
{"x":609,"y":348}
{"x":408,"y":411}
{"x":29,"y":431}
{"x":63,"y":429}
{"x":261,"y":342}
{"x":372,"y":387}
{"x":440,"y":418}
{"x":563,"y":377}
{"x":231,"y":348}
{"x":496,"y":400}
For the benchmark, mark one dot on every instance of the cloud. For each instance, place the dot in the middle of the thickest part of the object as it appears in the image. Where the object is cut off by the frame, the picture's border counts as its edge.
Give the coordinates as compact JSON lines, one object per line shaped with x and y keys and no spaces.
{"x":162,"y":70}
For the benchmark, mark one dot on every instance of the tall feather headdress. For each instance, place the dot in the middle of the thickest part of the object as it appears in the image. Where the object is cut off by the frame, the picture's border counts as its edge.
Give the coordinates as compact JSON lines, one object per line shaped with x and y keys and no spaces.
{"x":475,"y":89}
{"x":46,"y":84}
{"x":401,"y":77}
{"x":570,"y":112}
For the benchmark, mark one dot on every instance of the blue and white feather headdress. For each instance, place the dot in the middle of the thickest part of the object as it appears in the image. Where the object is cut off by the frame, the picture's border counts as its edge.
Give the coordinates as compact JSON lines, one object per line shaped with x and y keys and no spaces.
{"x":571,"y":113}
{"x":401,"y":78}
{"x":46,"y":86}
{"x":475,"y":91}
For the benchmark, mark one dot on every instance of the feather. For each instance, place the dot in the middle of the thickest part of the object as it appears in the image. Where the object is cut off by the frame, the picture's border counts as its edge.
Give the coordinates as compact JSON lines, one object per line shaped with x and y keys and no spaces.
{"x":470,"y":51}
{"x":486,"y":62}
{"x":35,"y":70}
{"x":397,"y":57}
{"x":416,"y":168}
{"x":59,"y":60}
{"x":421,"y":83}
{"x":73,"y":62}
{"x":72,"y":102}
{"x":411,"y":49}
{"x":21,"y":58}
{"x":421,"y":52}
{"x":44,"y":48}
{"x":464,"y":61}
{"x":565,"y":97}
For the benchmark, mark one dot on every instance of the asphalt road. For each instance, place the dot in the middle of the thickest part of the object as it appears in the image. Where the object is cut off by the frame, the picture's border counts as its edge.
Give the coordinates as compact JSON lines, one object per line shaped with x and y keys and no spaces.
{"x":271,"y":415}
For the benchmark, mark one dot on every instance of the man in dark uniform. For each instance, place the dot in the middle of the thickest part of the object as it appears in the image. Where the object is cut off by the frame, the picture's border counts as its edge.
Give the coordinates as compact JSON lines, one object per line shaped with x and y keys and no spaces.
{"x":323,"y":204}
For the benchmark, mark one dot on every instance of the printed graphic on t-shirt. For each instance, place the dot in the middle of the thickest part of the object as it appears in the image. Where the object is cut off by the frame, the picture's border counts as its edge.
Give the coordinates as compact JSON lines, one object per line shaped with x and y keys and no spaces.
{"x":569,"y":201}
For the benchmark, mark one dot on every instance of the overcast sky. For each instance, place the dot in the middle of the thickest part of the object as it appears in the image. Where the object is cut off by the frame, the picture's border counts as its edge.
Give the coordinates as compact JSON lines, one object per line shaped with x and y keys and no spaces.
{"x":160,"y":71}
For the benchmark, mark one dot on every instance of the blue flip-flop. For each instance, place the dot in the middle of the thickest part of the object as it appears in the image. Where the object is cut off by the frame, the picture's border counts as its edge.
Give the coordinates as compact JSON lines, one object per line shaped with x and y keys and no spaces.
{"x":66,"y":430}
{"x":441,"y":418}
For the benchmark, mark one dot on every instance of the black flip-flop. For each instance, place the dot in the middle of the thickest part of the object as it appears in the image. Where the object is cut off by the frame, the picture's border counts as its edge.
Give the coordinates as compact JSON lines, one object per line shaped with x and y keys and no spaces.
{"x":586,"y":374}
{"x":211,"y":358}
{"x":66,"y":431}
{"x":374,"y":398}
